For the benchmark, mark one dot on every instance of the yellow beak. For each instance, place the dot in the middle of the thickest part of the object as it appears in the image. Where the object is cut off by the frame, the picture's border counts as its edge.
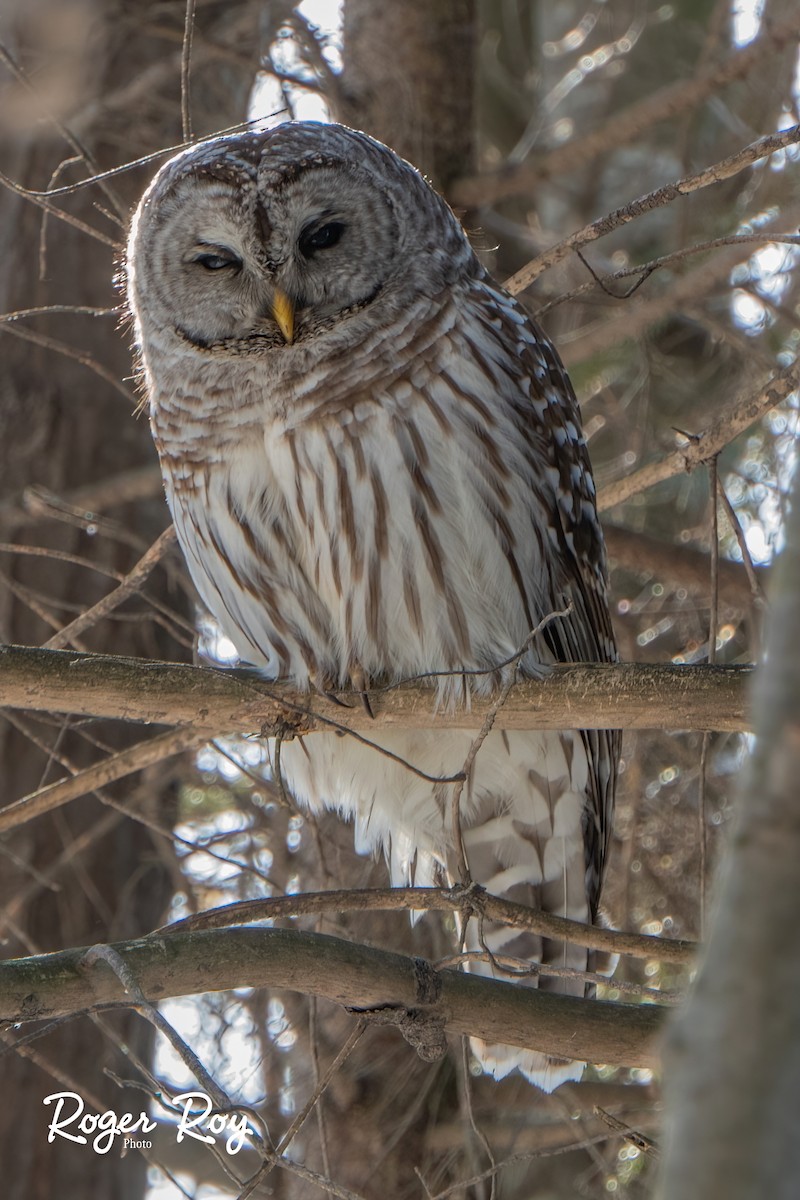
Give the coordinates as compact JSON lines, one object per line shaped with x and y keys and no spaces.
{"x":283,"y":312}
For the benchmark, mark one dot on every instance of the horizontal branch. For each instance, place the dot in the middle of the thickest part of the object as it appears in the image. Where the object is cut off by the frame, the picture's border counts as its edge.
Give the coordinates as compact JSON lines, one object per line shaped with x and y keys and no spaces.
{"x":356,"y":976}
{"x":465,"y":901}
{"x":590,"y":696}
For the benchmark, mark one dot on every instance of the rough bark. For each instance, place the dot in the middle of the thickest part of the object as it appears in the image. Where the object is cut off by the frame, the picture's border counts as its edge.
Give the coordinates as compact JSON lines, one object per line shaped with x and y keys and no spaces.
{"x":390,"y":987}
{"x":572,"y":696}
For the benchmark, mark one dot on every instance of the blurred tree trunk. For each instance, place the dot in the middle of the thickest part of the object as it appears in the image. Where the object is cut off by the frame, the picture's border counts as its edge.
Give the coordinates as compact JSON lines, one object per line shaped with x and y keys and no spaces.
{"x":733,"y":1062}
{"x":409,"y":80}
{"x":63,"y":427}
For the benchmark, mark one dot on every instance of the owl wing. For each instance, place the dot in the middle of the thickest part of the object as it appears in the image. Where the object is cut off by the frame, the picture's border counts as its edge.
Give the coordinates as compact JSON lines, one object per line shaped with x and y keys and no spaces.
{"x":578,"y":571}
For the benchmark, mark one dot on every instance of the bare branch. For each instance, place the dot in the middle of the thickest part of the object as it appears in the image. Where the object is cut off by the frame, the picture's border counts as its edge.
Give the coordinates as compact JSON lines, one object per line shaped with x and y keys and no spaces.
{"x":643,"y":271}
{"x":630,"y":321}
{"x":359,"y":977}
{"x":744,"y":411}
{"x":69,"y":351}
{"x":458,"y":899}
{"x":115,"y":766}
{"x":186,"y":70}
{"x":716,"y":173}
{"x":75,"y":222}
{"x":129,"y":585}
{"x":579,"y":696}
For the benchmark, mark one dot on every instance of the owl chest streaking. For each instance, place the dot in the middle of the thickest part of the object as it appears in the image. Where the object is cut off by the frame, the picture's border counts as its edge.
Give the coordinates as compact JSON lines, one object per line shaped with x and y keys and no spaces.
{"x":375,"y":467}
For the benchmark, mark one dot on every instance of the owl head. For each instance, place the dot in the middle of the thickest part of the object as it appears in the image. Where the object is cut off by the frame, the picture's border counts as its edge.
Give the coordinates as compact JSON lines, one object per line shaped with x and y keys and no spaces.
{"x":266,"y":240}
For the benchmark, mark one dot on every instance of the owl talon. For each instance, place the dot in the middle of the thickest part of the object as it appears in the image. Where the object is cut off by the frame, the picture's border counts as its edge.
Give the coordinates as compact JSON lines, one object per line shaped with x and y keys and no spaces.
{"x":359,"y":681}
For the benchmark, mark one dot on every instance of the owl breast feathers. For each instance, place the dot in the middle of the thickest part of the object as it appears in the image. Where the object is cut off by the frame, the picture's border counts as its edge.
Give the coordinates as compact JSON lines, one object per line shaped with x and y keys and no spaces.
{"x":375,"y":466}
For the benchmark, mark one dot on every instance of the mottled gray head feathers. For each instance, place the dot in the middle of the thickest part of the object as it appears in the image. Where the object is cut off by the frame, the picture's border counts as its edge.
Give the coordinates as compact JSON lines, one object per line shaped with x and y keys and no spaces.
{"x":261,"y":238}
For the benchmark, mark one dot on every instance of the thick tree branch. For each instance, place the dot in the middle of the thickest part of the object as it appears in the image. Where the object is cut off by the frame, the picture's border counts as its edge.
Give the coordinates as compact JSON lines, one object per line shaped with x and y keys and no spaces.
{"x":591,"y":696}
{"x":361,"y":978}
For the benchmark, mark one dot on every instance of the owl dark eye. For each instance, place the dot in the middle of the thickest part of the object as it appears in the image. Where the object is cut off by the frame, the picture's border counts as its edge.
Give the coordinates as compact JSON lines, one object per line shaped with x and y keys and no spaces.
{"x":320,"y":239}
{"x":216,"y":262}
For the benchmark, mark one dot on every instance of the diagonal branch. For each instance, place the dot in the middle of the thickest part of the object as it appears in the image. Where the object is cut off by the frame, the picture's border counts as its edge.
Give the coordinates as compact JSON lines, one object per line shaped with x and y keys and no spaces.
{"x":716,"y":173}
{"x":115,"y":766}
{"x":740,"y":415}
{"x":126,"y":588}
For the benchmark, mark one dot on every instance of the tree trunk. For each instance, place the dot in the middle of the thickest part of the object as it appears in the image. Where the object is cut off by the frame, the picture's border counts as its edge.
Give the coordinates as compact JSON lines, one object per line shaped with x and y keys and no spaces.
{"x":734,"y":1053}
{"x":409,"y":80}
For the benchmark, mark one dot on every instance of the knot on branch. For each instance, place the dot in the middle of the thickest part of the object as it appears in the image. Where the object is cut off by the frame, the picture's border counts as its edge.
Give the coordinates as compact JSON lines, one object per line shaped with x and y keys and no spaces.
{"x":287,"y":726}
{"x":470,"y":898}
{"x":422,"y":1025}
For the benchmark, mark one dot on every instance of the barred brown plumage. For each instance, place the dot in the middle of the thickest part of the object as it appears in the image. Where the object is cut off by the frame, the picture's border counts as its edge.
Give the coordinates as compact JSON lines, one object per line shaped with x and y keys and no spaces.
{"x":375,"y":466}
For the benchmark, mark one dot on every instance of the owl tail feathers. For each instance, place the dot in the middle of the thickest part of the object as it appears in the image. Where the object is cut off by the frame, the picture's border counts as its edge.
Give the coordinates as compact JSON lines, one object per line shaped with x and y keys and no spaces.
{"x":542,"y":1070}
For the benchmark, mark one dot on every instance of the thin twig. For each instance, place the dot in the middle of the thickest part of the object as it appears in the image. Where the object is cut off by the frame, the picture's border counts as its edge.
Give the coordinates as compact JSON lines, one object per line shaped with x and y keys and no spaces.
{"x":485,"y":730}
{"x":131,"y":583}
{"x":517,"y":1159}
{"x":439,"y":899}
{"x":740,"y":415}
{"x":39,"y":200}
{"x":41,"y":197}
{"x":465,"y":1093}
{"x":714,"y":582}
{"x":756,"y":587}
{"x":69,"y":351}
{"x":338,"y":1062}
{"x":644,"y":270}
{"x":713,"y":623}
{"x":46,"y":309}
{"x":639,"y":1140}
{"x":186,"y":67}
{"x":110,"y":956}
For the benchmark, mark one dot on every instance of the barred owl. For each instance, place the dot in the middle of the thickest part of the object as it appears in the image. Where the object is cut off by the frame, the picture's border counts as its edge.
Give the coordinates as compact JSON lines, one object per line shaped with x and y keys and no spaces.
{"x":375,"y":466}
